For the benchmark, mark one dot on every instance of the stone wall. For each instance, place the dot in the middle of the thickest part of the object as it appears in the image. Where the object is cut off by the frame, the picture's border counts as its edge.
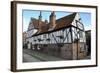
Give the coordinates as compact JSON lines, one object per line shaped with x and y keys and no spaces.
{"x":67,"y":51}
{"x":79,"y":51}
{"x":82,"y":51}
{"x":63,"y":50}
{"x":51,"y":49}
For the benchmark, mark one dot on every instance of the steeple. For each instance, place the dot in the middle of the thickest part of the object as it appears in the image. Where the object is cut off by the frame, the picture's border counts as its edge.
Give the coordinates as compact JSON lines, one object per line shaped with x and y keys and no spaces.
{"x":39,"y":20}
{"x":40,"y":16}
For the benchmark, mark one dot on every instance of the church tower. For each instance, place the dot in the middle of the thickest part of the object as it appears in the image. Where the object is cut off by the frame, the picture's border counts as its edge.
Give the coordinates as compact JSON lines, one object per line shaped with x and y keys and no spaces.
{"x":39,"y":20}
{"x":52,"y":20}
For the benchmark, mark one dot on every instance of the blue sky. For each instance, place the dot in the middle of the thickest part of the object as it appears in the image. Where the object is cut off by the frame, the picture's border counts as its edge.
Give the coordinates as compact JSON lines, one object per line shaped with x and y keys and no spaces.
{"x":27,"y":14}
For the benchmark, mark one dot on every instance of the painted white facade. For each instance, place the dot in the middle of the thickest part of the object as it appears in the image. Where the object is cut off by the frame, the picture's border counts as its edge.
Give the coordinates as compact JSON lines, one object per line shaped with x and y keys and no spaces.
{"x":31,"y":32}
{"x":54,"y":36}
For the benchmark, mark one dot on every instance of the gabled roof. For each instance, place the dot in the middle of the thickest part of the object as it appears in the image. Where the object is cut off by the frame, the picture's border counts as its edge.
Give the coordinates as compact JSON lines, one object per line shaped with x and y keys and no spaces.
{"x":36,"y":23}
{"x":60,"y":24}
{"x":65,"y":21}
{"x":43,"y":29}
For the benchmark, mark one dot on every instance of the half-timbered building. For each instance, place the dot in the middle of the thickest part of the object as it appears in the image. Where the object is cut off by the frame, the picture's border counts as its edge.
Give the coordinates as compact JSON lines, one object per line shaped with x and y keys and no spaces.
{"x":63,"y":37}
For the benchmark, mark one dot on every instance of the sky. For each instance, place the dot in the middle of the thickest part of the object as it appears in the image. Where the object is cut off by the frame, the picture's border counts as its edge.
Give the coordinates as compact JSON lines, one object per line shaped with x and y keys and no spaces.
{"x":28,"y":14}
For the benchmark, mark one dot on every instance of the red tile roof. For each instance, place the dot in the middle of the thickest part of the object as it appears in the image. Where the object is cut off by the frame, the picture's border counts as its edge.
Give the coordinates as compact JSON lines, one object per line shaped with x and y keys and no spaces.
{"x":65,"y":21}
{"x":43,"y":29}
{"x":60,"y":23}
{"x":36,"y":23}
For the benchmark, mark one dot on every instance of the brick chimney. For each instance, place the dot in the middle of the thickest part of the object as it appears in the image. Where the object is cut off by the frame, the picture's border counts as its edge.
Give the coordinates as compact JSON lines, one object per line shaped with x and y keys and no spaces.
{"x":52,"y":20}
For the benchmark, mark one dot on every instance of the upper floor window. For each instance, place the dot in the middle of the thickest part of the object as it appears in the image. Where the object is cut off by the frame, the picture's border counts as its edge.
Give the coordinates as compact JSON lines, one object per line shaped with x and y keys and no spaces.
{"x":79,"y":24}
{"x":44,"y":36}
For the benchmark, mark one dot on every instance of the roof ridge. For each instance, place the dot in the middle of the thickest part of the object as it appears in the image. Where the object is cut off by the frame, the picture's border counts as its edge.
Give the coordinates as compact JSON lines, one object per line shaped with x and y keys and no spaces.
{"x":67,"y":15}
{"x":64,"y":21}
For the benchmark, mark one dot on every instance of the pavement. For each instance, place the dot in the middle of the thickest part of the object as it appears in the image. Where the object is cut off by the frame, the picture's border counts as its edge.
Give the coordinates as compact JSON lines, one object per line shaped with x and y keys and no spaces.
{"x":35,"y":56}
{"x":29,"y":58}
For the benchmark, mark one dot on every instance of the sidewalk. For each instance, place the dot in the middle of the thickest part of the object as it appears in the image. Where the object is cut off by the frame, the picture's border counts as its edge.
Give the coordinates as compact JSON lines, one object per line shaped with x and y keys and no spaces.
{"x":41,"y":56}
{"x":29,"y":58}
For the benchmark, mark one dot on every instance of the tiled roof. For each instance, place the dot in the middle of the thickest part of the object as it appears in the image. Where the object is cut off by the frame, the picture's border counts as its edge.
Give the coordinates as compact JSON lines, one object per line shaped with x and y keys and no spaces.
{"x":36,"y":23}
{"x":43,"y":29}
{"x":64,"y":21}
{"x":60,"y":23}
